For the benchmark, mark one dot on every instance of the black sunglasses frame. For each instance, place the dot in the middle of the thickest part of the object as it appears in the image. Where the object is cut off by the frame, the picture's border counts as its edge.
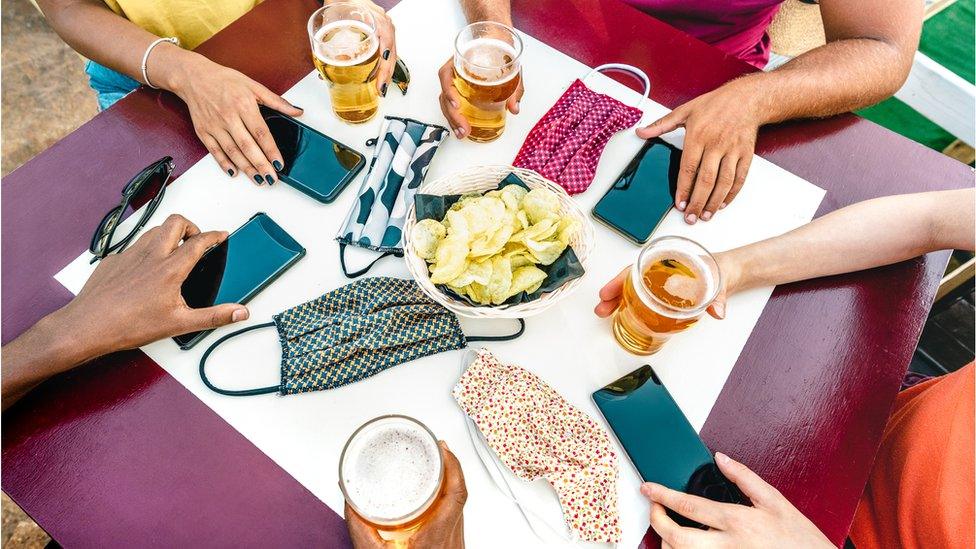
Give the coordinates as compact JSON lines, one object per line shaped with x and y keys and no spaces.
{"x":101,"y":243}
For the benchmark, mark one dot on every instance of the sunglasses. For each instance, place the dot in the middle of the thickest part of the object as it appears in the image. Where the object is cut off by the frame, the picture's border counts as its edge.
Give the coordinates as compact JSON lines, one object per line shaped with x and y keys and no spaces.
{"x":152,"y":179}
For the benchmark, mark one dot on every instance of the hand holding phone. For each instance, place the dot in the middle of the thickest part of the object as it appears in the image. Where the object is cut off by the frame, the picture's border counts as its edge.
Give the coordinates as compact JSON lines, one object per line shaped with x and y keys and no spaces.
{"x":659,"y":440}
{"x":238,"y":268}
{"x":314,"y":163}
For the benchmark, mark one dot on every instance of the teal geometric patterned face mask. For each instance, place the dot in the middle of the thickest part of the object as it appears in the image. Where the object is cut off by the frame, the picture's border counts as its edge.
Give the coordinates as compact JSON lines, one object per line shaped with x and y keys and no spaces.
{"x":354,"y":332}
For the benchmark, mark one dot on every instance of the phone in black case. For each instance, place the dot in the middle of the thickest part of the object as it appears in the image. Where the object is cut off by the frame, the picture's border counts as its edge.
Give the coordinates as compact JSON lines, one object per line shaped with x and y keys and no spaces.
{"x":238,"y":268}
{"x":314,"y":163}
{"x":643,"y":193}
{"x":659,"y":440}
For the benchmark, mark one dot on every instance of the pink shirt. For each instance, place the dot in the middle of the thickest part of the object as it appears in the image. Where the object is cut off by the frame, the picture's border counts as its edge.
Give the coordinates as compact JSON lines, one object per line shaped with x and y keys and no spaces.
{"x":737,"y":27}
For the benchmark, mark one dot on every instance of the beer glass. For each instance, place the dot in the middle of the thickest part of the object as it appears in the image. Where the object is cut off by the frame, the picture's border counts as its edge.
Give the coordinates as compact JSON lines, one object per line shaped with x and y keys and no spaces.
{"x":487,"y":72}
{"x":391,"y":473}
{"x":345,"y":50}
{"x":667,"y":290}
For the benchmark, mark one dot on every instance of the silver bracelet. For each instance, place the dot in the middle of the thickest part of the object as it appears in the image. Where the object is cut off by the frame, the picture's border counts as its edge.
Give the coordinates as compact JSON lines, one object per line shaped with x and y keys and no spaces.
{"x":145,"y":57}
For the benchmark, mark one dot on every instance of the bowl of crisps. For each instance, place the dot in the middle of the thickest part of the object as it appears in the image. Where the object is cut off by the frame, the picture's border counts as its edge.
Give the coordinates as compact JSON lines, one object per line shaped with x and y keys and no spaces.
{"x":496,"y":242}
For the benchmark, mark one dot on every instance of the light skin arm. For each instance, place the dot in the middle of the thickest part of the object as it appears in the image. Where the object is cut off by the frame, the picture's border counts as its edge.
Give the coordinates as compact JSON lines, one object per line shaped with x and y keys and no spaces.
{"x":132,"y":298}
{"x":498,"y":11}
{"x":869,"y":51}
{"x":861,"y":236}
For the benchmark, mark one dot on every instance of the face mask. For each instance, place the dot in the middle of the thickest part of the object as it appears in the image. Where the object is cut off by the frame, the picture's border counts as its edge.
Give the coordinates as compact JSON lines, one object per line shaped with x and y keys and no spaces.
{"x":354,"y":332}
{"x":566,"y":144}
{"x":402,"y":153}
{"x":536,"y":433}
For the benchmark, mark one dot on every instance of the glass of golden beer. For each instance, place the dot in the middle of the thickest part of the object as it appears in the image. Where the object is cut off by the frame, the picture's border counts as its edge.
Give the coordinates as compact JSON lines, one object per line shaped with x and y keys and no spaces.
{"x":487,"y":71}
{"x":391,"y":473}
{"x":668,"y":289}
{"x":346,"y":52}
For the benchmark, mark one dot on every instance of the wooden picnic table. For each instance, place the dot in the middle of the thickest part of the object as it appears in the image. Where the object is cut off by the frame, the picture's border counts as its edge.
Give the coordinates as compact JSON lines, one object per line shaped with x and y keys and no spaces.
{"x":119,"y":453}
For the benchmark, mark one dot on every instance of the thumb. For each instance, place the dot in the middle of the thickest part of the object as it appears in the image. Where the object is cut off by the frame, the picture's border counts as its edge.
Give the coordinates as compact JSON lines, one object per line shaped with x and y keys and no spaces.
{"x":663,"y":125}
{"x":270,"y":99}
{"x":717,"y":308}
{"x":361,"y":534}
{"x":209,"y":318}
{"x":761,"y":493}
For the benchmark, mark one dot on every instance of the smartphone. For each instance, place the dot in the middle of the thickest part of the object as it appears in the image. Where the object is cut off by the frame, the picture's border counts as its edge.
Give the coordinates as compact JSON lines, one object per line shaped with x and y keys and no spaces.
{"x":643,"y":193}
{"x":659,"y":440}
{"x":314,"y":163}
{"x":235,"y":270}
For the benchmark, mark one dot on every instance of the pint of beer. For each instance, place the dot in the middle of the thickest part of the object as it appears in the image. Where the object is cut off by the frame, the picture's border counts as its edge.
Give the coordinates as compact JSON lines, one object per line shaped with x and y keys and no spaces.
{"x":668,"y":289}
{"x":487,"y":71}
{"x":346,"y":50}
{"x":390,"y":473}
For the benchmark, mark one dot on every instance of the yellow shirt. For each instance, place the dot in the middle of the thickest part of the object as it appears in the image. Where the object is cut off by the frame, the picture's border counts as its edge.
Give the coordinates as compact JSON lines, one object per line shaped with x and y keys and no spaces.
{"x":192,"y":21}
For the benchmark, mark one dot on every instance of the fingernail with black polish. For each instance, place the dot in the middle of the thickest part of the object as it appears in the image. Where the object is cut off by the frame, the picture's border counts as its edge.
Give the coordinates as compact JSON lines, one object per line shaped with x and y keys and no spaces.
{"x":386,"y":54}
{"x":258,"y":179}
{"x":277,"y":165}
{"x":230,"y":172}
{"x":269,"y":179}
{"x":296,"y":106}
{"x":383,"y":89}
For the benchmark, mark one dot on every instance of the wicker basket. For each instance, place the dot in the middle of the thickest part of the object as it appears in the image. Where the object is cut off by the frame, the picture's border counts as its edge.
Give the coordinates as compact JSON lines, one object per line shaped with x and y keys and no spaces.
{"x":482,"y":179}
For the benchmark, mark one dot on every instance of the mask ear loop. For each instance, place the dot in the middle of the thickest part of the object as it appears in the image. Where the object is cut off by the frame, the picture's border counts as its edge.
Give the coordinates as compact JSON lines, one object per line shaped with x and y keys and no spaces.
{"x":229,"y":392}
{"x":508,"y":337}
{"x":475,"y":435}
{"x":628,"y":69}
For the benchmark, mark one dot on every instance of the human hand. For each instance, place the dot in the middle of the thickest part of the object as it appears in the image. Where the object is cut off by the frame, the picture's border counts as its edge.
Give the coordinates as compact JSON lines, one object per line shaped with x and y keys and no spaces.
{"x":772,"y":521}
{"x":729,"y":283}
{"x":720,"y":138}
{"x":133,"y":298}
{"x":223,"y":106}
{"x":444,"y":527}
{"x":450,"y":100}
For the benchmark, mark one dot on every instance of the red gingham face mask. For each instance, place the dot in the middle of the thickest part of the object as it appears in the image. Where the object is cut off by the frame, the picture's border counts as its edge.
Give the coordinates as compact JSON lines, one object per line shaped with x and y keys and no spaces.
{"x":566,"y":144}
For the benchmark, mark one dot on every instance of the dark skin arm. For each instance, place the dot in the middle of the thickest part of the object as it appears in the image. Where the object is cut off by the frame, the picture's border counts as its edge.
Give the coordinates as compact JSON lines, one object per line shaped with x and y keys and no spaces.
{"x":869,"y":51}
{"x":133,"y":298}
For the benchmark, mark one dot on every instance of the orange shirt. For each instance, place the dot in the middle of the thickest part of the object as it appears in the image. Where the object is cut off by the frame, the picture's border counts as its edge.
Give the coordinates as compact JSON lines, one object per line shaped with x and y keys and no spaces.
{"x":921,"y":490}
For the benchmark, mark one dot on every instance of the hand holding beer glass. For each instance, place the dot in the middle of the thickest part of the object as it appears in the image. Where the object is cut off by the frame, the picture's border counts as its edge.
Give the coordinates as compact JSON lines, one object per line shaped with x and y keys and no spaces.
{"x":346,"y":52}
{"x":667,"y":290}
{"x":481,"y":80}
{"x":400,"y":484}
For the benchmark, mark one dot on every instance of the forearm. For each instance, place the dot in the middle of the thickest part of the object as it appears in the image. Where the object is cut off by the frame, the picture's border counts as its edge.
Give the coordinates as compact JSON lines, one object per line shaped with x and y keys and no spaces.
{"x":861,"y":236}
{"x":838,"y":77}
{"x":48,"y":348}
{"x":98,"y":33}
{"x":499,"y":11}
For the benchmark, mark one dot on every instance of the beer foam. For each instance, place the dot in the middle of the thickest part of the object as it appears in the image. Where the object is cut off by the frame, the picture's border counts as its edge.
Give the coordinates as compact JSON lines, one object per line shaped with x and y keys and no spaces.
{"x":486,"y":61}
{"x":346,"y":46}
{"x":391,"y":469}
{"x":678,"y":285}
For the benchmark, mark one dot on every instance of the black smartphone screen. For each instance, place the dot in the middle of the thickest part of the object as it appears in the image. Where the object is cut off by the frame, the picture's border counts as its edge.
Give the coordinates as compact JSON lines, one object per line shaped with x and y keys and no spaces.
{"x":313,"y":163}
{"x":235,"y":270}
{"x":643,"y":193}
{"x":659,"y":440}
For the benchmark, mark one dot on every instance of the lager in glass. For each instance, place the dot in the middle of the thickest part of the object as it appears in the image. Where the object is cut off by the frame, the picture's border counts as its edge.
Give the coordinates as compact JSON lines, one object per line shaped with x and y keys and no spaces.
{"x":487,"y":71}
{"x":345,"y":50}
{"x":391,"y":473}
{"x":669,"y":287}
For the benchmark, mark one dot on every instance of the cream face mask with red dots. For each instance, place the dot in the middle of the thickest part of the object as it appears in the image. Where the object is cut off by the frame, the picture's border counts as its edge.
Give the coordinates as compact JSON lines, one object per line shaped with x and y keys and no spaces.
{"x":536,"y":433}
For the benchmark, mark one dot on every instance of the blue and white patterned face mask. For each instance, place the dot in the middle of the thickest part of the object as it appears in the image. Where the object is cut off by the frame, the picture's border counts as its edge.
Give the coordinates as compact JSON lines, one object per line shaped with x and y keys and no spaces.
{"x":354,"y":332}
{"x":401,"y":156}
